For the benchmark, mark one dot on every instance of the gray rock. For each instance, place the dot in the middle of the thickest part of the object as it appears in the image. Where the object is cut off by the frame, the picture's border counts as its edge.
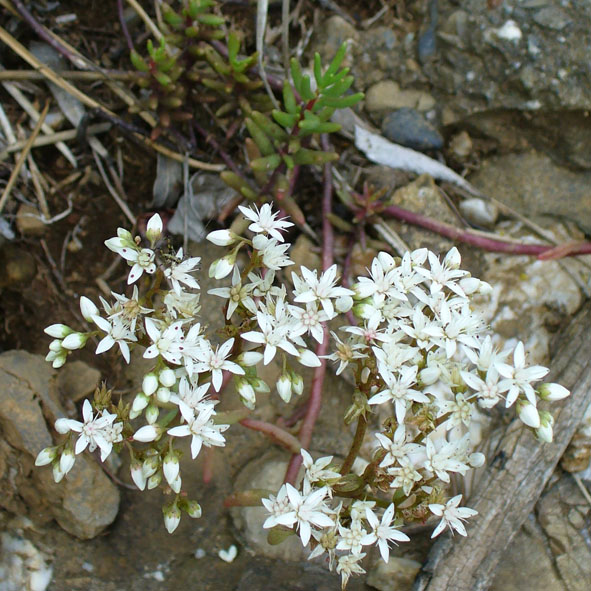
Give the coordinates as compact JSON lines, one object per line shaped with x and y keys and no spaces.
{"x":398,"y":574}
{"x":77,"y":380}
{"x":409,"y":128}
{"x":535,"y":186}
{"x":86,"y":501}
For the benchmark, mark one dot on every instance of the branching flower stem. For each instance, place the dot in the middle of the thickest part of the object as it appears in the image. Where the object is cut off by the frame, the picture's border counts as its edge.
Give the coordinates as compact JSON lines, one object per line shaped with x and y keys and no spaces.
{"x":355,"y":446}
{"x":541,"y":251}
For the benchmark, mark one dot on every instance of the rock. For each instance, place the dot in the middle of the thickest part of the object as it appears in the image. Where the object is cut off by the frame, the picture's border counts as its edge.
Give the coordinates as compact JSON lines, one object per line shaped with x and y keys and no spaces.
{"x":264,"y":472}
{"x":461,"y":145}
{"x":77,"y":380}
{"x":553,"y":18}
{"x":28,"y":221}
{"x":333,"y":33}
{"x":398,"y":574}
{"x":86,"y":501}
{"x":18,"y":265}
{"x":387,"y":96}
{"x":526,"y":563}
{"x":535,"y":186}
{"x":409,"y":128}
{"x":480,"y":212}
{"x":563,"y":514}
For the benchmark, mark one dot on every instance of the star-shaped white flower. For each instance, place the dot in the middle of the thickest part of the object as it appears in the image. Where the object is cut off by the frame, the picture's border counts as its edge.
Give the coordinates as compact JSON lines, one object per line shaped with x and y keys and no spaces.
{"x":451,"y":516}
{"x":383,"y":531}
{"x":264,"y":220}
{"x":215,"y":361}
{"x":178,"y":273}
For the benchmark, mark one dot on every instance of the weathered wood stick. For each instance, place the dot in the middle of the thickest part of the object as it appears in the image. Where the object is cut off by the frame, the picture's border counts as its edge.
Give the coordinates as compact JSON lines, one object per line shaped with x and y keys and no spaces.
{"x":509,"y":489}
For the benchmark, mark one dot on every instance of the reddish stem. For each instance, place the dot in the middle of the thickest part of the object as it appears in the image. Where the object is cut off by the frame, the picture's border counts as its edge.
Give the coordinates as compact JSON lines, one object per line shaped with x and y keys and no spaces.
{"x":277,"y":434}
{"x":315,"y":400}
{"x":491,"y":244}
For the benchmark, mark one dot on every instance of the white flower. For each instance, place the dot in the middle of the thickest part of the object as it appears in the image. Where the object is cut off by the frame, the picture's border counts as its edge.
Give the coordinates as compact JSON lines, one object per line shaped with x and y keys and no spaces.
{"x":236,"y":294}
{"x":345,"y":353}
{"x":143,"y":261}
{"x":94,"y":431}
{"x":178,"y":273}
{"x":487,"y":391}
{"x":519,"y":377}
{"x":309,"y":510}
{"x":317,"y":471}
{"x":168,"y":342}
{"x":272,"y":336}
{"x":351,"y":538}
{"x":312,"y":288}
{"x":265,"y":221}
{"x":348,"y":565}
{"x":116,"y":333}
{"x":272,"y":252}
{"x":309,"y":321}
{"x":383,"y":532}
{"x":405,"y":475}
{"x":279,"y":509}
{"x":443,"y":460}
{"x":398,"y":447}
{"x":451,"y":516}
{"x":398,"y":390}
{"x":215,"y":362}
{"x":201,"y":427}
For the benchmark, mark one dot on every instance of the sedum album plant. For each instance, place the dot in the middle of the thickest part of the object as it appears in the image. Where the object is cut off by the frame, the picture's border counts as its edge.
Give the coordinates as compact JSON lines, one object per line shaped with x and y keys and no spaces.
{"x":423,"y":367}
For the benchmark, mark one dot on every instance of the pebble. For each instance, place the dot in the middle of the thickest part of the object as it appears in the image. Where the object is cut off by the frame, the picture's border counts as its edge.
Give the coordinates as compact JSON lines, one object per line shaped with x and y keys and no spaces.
{"x":387,"y":96}
{"x":461,"y":145}
{"x":28,"y":221}
{"x":409,"y":128}
{"x":480,"y":212}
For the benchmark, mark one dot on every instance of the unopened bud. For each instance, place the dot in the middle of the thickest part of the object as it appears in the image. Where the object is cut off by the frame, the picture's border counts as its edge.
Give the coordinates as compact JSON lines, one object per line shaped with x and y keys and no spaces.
{"x":552,"y":392}
{"x":163,"y":394}
{"x":170,"y":467}
{"x":223,"y":267}
{"x":155,"y":480}
{"x":193,"y":509}
{"x":528,"y":414}
{"x":88,"y":309}
{"x":284,"y":387}
{"x":151,"y":414}
{"x":147,"y":433}
{"x":67,"y":460}
{"x":149,"y":384}
{"x":75,"y":340}
{"x":222,"y":237}
{"x":167,"y":378}
{"x":172,"y":517}
{"x":46,"y":456}
{"x":154,"y":229}
{"x":297,"y":383}
{"x":58,"y":331}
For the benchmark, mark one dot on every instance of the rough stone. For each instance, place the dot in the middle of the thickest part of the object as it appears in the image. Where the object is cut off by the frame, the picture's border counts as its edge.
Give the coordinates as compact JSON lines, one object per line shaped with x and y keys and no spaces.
{"x":398,"y":574}
{"x":409,"y":128}
{"x":28,"y":221}
{"x":564,"y":515}
{"x":535,"y":186}
{"x":526,"y":564}
{"x":387,"y":96}
{"x":77,"y":380}
{"x":18,"y":266}
{"x":334,"y":32}
{"x":86,"y":501}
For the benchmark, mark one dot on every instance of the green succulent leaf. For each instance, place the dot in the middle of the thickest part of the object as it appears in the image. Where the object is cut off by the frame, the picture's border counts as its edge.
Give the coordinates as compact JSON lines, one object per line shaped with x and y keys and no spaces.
{"x":286,"y":120}
{"x":289,"y":99}
{"x":266,"y":163}
{"x":260,"y":137}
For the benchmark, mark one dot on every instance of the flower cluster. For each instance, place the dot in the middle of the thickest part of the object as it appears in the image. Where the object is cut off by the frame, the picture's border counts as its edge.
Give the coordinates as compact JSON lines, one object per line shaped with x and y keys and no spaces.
{"x":422,"y":363}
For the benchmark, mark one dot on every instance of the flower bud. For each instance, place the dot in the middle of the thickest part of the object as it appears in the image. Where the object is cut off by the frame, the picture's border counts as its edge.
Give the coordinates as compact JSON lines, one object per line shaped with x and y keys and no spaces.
{"x":154,"y":228}
{"x":545,"y":431}
{"x":246,"y":392}
{"x":363,"y":310}
{"x":249,"y":358}
{"x":260,"y":386}
{"x":297,"y":383}
{"x":552,"y":392}
{"x":170,"y":467}
{"x":150,"y":465}
{"x":58,"y":331}
{"x":176,"y":484}
{"x":221,"y":268}
{"x":167,"y":378}
{"x":149,"y":384}
{"x":172,"y":517}
{"x":193,"y":509}
{"x":343,"y":304}
{"x":137,"y":474}
{"x":56,"y":346}
{"x":152,"y":413}
{"x":222,"y":237}
{"x":429,"y":375}
{"x":147,"y":433}
{"x":528,"y":414}
{"x":88,"y":309}
{"x":476,"y":459}
{"x":57,"y":360}
{"x":284,"y":387}
{"x":67,"y":460}
{"x":139,"y":403}
{"x":57,"y":472}
{"x":163,"y":394}
{"x":46,"y":456}
{"x":62,"y":426}
{"x":75,"y":340}
{"x":308,"y":358}
{"x":155,"y":480}
{"x":365,"y":373}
